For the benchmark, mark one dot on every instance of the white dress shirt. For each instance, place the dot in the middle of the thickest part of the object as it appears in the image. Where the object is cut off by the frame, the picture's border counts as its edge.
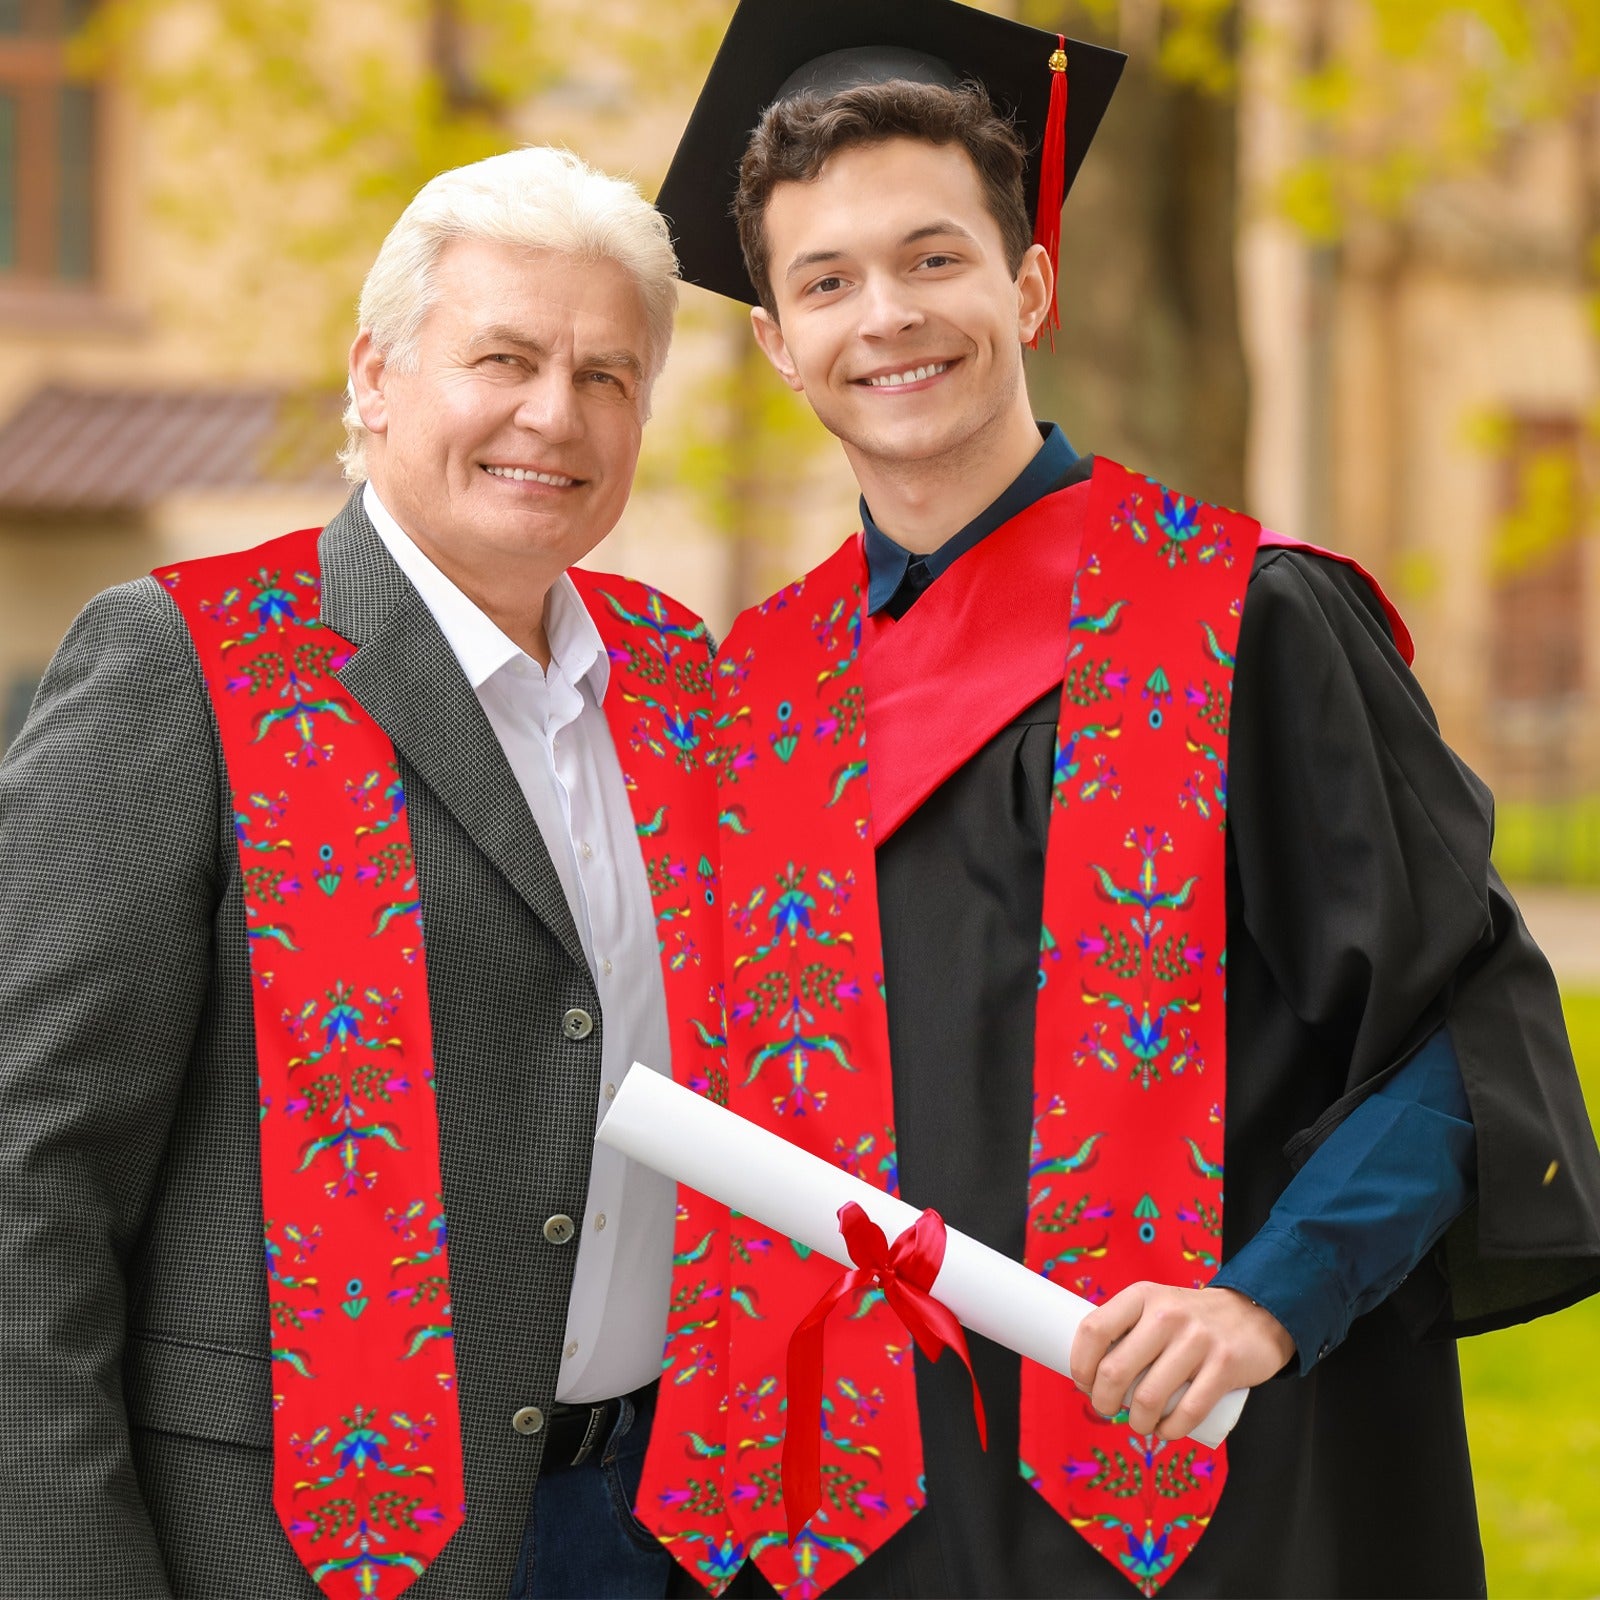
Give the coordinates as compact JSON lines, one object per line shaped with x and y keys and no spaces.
{"x":553,"y":731}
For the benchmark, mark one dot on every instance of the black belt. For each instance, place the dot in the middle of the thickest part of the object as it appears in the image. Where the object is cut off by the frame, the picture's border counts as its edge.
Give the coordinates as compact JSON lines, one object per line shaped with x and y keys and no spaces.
{"x":575,"y":1433}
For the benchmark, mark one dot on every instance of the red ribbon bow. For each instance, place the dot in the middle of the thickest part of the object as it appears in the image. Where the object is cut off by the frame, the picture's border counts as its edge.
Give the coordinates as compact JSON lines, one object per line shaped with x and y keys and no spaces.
{"x":905,"y":1271}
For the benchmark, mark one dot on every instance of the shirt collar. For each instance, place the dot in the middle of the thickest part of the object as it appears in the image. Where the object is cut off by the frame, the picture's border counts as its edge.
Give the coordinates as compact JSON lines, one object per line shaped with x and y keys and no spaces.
{"x":476,"y":640}
{"x":887,"y":562}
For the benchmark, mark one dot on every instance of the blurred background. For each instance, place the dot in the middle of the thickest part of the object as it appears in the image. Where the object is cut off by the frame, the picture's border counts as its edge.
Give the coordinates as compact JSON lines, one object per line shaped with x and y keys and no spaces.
{"x":1335,"y":262}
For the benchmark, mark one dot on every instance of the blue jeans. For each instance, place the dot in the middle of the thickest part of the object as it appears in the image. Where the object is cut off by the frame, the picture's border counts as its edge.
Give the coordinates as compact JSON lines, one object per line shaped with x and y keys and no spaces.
{"x":583,"y":1541}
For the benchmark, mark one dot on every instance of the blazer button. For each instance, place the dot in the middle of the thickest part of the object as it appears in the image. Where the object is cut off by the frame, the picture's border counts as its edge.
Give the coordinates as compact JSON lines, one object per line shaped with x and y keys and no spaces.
{"x":559,"y":1229}
{"x":577,"y":1024}
{"x":530,"y":1419}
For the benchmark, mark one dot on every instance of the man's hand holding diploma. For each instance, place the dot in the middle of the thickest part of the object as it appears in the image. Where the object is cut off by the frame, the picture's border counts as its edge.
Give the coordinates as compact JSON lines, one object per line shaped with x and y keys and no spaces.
{"x":671,"y":1129}
{"x":1214,"y":1340}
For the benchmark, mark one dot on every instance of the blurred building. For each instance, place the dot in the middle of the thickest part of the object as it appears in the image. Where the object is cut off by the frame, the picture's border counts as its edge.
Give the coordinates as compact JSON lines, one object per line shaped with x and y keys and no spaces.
{"x":1422,"y":394}
{"x":160,"y":401}
{"x":1426,"y":396}
{"x":120,"y":445}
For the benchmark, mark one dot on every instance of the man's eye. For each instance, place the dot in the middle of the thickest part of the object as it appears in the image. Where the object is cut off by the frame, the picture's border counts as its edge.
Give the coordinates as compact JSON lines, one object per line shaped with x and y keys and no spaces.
{"x":502,"y":358}
{"x":606,"y":377}
{"x":938,"y":261}
{"x":826,"y":285}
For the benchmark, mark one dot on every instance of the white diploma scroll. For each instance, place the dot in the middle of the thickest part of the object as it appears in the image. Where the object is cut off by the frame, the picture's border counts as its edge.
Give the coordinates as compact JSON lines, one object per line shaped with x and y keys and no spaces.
{"x":684,"y":1136}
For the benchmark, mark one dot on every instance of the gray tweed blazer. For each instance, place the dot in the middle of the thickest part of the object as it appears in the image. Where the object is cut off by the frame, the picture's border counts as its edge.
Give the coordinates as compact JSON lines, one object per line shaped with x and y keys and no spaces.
{"x":135,"y":1416}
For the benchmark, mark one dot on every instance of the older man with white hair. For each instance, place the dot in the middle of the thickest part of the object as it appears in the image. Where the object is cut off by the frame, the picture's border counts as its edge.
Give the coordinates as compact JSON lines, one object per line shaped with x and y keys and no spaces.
{"x":340,"y":880}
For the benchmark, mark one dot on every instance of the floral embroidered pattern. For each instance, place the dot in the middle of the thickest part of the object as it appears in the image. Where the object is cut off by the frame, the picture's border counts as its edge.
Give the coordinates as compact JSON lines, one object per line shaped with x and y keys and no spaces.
{"x":1130,"y":1068}
{"x":1120,"y":1186}
{"x":367,"y":1472}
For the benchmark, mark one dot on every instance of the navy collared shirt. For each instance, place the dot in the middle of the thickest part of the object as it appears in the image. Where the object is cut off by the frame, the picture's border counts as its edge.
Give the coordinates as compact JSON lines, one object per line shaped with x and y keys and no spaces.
{"x":896,"y":577}
{"x":1379,"y":1192}
{"x":1367,"y":1206}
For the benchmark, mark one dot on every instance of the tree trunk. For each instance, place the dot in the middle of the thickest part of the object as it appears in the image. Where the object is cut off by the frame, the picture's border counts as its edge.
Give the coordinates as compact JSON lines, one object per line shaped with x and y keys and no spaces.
{"x":1148,"y":366}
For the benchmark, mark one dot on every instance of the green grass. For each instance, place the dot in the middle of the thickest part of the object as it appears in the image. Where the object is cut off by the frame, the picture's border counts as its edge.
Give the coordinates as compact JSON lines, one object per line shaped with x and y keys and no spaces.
{"x":1548,"y":842}
{"x":1533,"y":1414}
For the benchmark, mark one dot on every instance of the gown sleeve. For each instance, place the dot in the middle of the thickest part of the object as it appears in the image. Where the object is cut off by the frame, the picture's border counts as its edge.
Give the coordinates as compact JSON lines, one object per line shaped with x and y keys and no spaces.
{"x":1361,"y":846}
{"x":1366,"y":1208}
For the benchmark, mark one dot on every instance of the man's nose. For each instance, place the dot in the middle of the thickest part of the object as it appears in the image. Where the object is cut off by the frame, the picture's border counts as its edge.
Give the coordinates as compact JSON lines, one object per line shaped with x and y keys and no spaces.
{"x":887,"y":307}
{"x":549,"y":405}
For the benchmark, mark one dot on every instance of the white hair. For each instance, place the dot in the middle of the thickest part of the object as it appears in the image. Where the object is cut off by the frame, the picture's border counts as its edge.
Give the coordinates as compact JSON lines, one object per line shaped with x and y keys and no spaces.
{"x":537,"y":197}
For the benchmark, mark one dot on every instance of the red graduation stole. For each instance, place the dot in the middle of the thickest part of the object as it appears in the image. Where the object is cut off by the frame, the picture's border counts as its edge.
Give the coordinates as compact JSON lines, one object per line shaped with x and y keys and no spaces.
{"x":1130,"y":1068}
{"x":367,"y":1468}
{"x":1130,"y":598}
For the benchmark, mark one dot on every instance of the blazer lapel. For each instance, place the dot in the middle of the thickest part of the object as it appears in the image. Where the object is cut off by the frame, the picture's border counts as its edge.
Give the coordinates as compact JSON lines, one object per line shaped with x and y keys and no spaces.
{"x":406,"y":676}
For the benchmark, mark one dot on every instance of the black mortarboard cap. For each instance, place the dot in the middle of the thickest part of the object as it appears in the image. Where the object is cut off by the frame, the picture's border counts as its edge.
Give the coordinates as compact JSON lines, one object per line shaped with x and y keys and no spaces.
{"x":776,"y":48}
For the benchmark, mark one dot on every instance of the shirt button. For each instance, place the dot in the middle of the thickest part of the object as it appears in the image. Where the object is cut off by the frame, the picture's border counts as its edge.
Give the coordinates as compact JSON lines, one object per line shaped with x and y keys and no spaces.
{"x":588,"y":851}
{"x":577,"y":1023}
{"x":611,"y":1091}
{"x":559,"y":1229}
{"x":571,"y":1350}
{"x":600,"y":1223}
{"x":605,"y":967}
{"x":530,"y":1419}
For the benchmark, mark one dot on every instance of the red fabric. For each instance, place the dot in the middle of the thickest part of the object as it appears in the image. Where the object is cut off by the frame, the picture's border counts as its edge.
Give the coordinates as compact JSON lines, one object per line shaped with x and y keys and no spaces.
{"x":659,"y":710}
{"x":1130,"y":1068}
{"x":1052,"y":184}
{"x":367,"y":1451}
{"x":986,"y":640}
{"x":973,"y":653}
{"x":807,"y":687}
{"x":367,"y":1475}
{"x":808,"y":1057}
{"x":905,"y":1271}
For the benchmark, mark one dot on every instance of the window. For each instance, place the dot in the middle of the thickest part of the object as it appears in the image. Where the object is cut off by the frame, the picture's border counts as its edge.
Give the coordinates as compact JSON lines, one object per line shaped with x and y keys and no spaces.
{"x":1541,"y":626}
{"x":48,"y":126}
{"x":1538,"y":567}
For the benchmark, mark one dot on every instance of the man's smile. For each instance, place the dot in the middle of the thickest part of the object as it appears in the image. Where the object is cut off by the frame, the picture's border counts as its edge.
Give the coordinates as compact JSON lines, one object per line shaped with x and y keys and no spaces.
{"x":553,"y":480}
{"x":908,"y":377}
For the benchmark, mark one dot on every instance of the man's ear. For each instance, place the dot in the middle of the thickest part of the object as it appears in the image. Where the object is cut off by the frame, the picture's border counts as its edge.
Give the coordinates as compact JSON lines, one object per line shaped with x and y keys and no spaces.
{"x":1036,"y":282}
{"x":774,"y":347}
{"x":367,"y":372}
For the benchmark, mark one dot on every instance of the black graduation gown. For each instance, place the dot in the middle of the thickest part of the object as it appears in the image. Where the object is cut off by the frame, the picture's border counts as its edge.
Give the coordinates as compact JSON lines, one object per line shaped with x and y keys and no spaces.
{"x":1362,"y":912}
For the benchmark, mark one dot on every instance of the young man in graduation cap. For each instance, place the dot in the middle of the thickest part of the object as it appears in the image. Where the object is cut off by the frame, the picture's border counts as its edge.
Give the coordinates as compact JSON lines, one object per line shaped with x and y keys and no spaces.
{"x":1009,"y":786}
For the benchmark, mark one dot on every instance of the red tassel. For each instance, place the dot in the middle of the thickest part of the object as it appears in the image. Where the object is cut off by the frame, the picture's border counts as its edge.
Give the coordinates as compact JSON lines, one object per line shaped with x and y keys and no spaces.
{"x":1052,"y":182}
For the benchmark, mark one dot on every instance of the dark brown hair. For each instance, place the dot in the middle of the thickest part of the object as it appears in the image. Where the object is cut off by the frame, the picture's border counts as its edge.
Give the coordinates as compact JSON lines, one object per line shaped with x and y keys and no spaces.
{"x":796,"y":137}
